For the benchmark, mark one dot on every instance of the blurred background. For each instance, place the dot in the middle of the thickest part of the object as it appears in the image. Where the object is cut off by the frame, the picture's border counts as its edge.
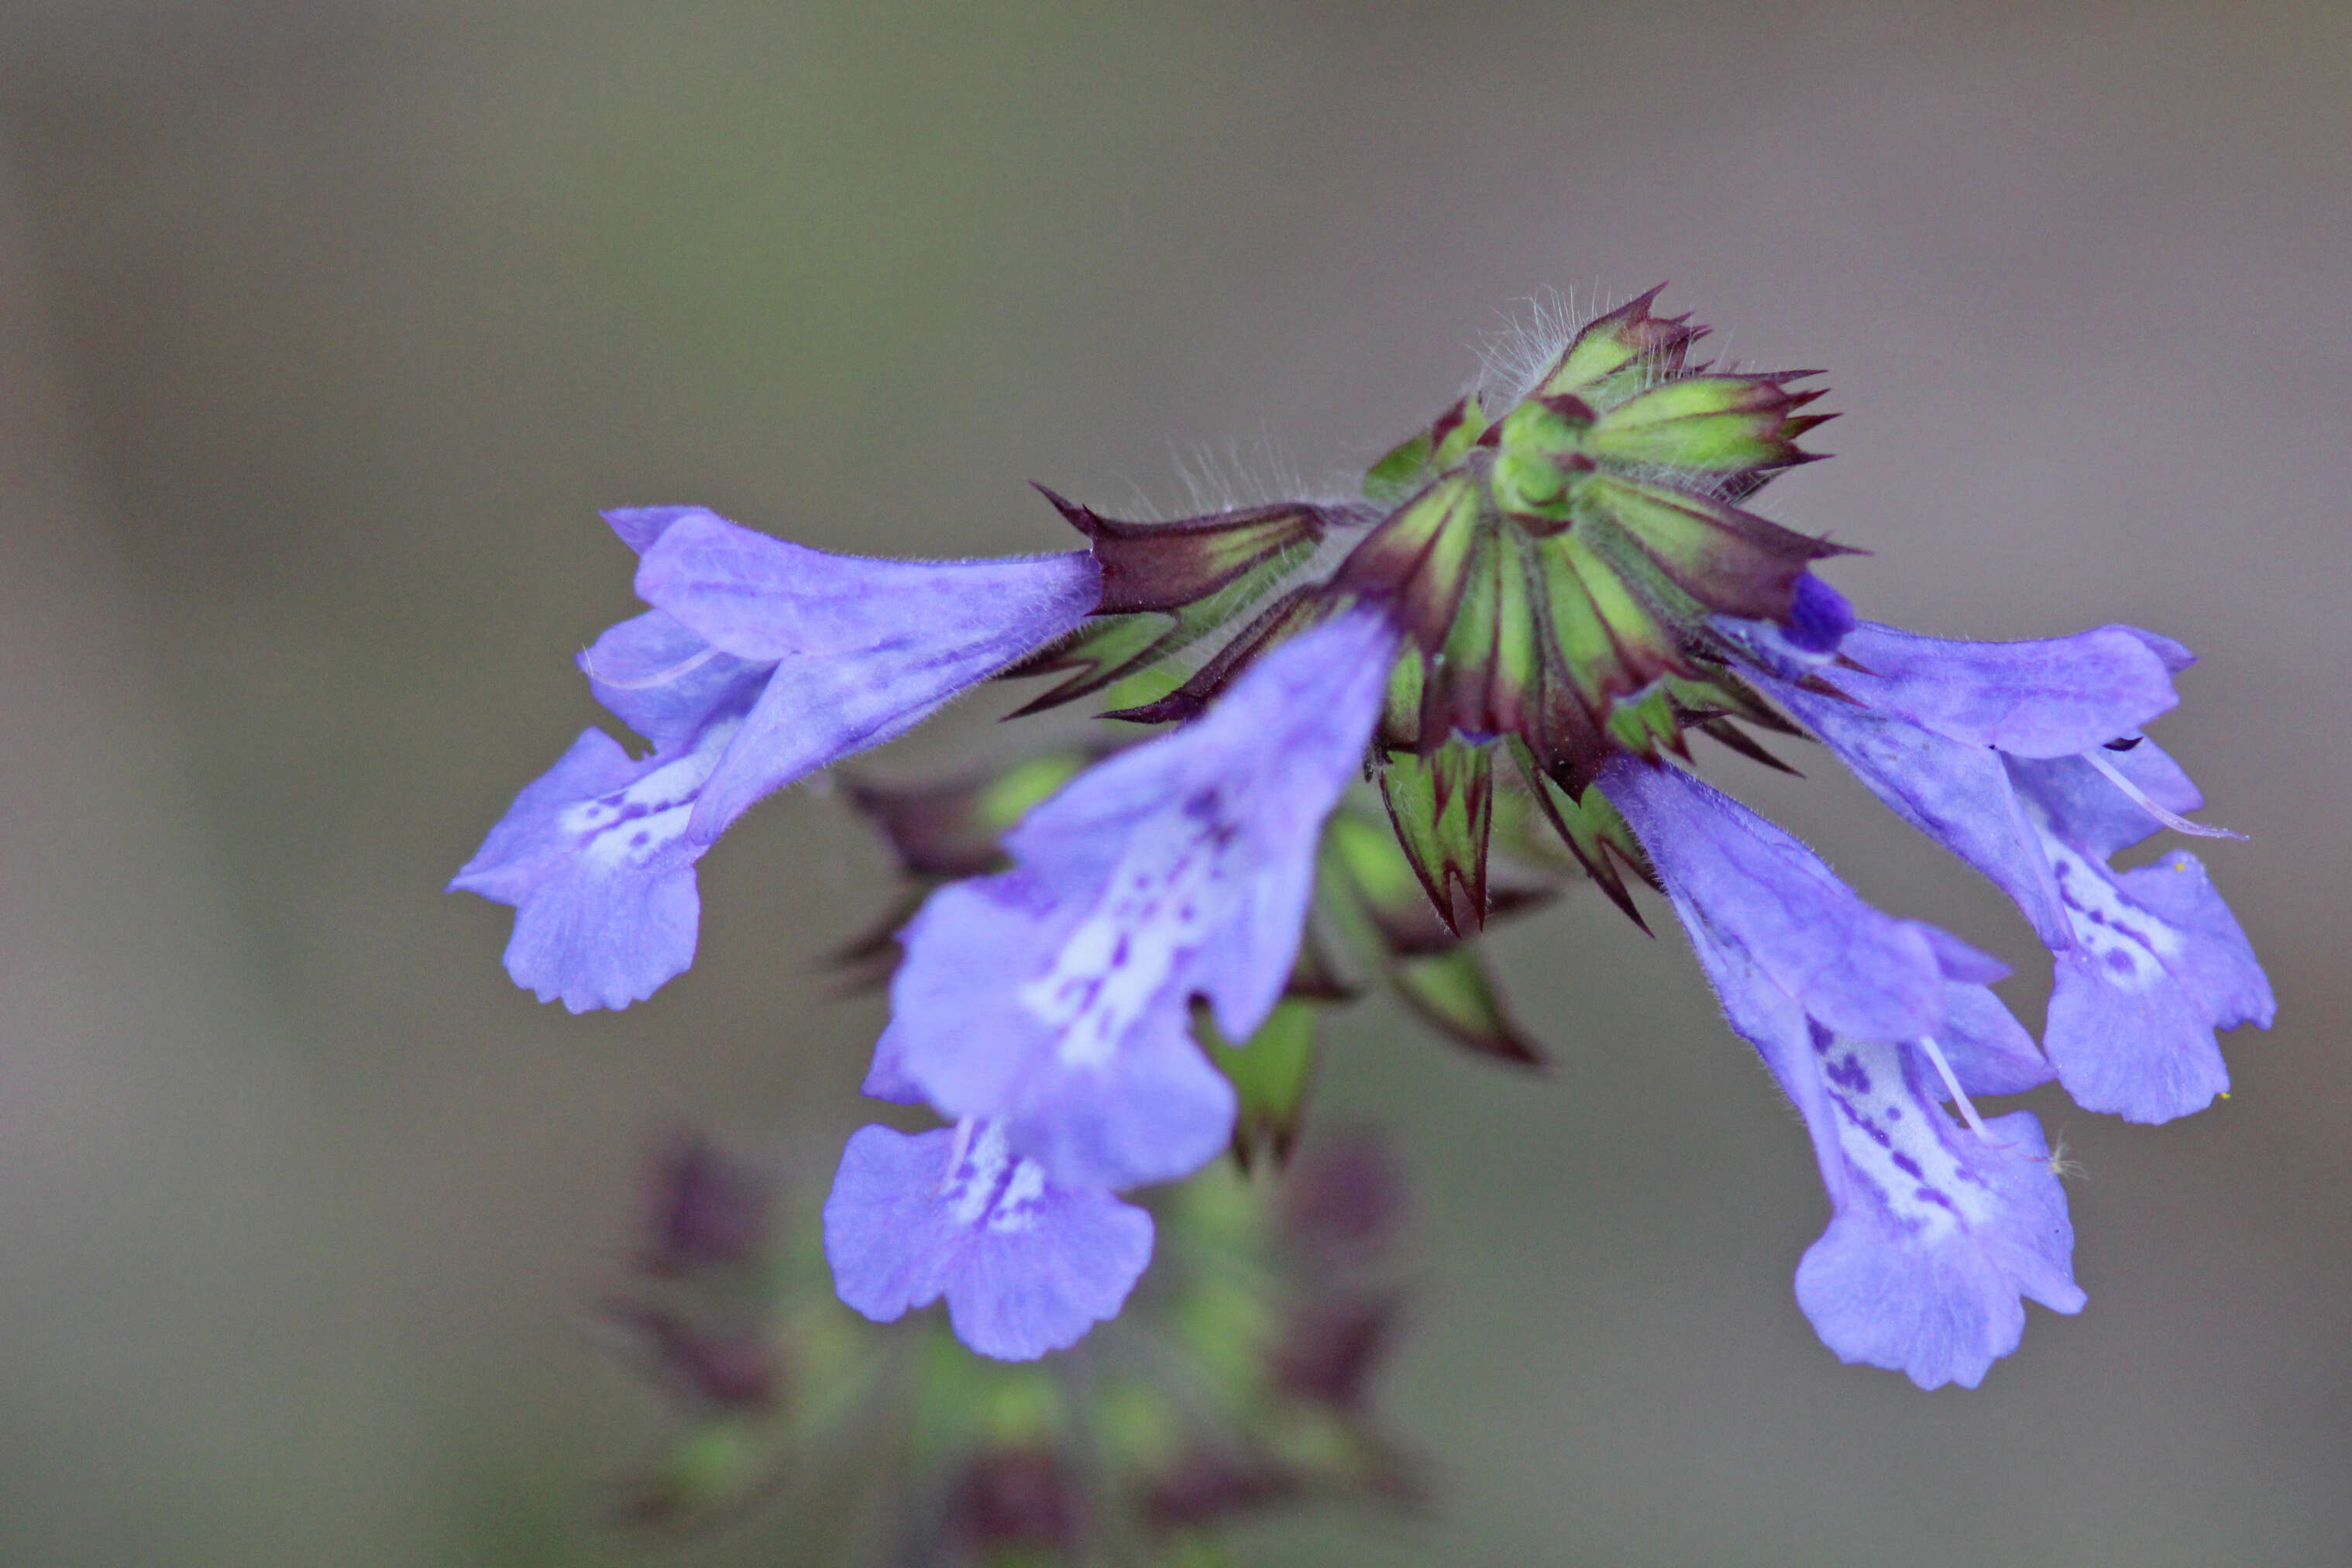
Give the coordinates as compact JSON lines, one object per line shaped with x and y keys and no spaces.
{"x":326,"y":326}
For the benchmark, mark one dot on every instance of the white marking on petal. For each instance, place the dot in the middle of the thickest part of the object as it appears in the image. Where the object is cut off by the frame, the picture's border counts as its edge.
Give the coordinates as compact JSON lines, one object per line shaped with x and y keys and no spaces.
{"x":1160,"y":903}
{"x":987,"y":1185}
{"x":1017,"y":1210}
{"x":625,"y":828}
{"x":2127,"y":943}
{"x":971,"y":1184}
{"x":1896,"y":1139}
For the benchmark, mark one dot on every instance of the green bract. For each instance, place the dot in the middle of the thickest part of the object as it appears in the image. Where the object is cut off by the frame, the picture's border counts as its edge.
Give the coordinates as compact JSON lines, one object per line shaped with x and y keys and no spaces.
{"x":1561,"y":572}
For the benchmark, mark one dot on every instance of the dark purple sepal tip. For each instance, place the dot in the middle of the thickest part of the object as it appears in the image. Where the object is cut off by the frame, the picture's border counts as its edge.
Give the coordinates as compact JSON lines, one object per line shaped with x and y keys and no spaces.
{"x":1819,"y":617}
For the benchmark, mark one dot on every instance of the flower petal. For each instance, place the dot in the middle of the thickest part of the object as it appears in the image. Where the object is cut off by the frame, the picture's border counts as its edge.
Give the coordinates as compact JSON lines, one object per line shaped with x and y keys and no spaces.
{"x":594,"y":856}
{"x":2216,"y":964}
{"x":2046,"y":698}
{"x":1990,"y":1052}
{"x":888,"y":1238}
{"x":1959,"y":796}
{"x":2082,"y":806}
{"x":641,"y":526}
{"x":2125,"y":1035}
{"x":886,"y":1077}
{"x":818,"y":709}
{"x":1057,"y":995}
{"x":1757,"y":890}
{"x":2134,"y":1044}
{"x":1027,"y":1266}
{"x":1938,"y":1233}
{"x":763,"y":598}
{"x":664,"y":681}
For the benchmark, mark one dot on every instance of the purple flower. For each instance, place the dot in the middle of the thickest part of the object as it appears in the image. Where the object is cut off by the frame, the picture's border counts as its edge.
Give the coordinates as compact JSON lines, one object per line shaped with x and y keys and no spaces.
{"x":1056,"y":996}
{"x":1027,"y":1264}
{"x":1869,"y":1023}
{"x":761,"y":662}
{"x":2023,"y":759}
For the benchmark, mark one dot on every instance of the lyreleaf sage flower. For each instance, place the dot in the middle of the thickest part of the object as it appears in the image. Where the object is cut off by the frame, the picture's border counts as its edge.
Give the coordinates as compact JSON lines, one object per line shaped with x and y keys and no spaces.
{"x":759,"y":662}
{"x":2025,"y":760}
{"x":1869,"y":1024}
{"x":1108,"y":960}
{"x":1055,"y":997}
{"x":1027,"y":1265}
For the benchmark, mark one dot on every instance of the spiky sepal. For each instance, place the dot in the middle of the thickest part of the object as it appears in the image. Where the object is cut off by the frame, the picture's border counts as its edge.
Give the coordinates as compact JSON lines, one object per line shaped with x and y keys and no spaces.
{"x":1563,"y":575}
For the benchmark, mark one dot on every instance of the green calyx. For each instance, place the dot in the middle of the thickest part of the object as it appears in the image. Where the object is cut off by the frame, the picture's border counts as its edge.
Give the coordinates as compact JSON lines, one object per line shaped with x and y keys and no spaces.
{"x":1559,"y":581}
{"x":1557,"y":559}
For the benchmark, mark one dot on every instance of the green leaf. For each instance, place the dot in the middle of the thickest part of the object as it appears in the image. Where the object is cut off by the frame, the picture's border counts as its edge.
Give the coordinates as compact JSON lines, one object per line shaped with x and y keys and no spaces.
{"x":1647,"y":723}
{"x":1405,"y":467}
{"x":1371,"y":890}
{"x":1271,"y":1073}
{"x":1600,"y":838}
{"x":1731,"y":561}
{"x":1609,"y":641}
{"x":1137,"y":657}
{"x":1167,"y":566}
{"x":1612,"y":356}
{"x":1458,"y":691}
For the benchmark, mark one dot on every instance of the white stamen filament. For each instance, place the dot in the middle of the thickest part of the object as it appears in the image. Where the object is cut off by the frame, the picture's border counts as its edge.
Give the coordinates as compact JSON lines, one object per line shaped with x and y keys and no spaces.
{"x":2173,"y":820}
{"x":957,"y":1150}
{"x":1951,"y":1081}
{"x":684,"y":667}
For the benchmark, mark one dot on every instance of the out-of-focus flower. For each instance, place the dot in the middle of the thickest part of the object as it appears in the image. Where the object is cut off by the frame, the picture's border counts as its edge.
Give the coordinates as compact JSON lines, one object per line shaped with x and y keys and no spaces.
{"x":1242,"y":1382}
{"x":1027,"y":1264}
{"x":708,"y":1209}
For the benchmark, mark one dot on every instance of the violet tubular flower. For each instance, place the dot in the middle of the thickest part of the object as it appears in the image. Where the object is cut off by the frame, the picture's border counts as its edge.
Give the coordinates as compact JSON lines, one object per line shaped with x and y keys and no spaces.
{"x":1057,"y":996}
{"x":1048,"y":1008}
{"x":761,"y":662}
{"x":2025,"y":760}
{"x":1027,"y":1265}
{"x":1868,"y":1022}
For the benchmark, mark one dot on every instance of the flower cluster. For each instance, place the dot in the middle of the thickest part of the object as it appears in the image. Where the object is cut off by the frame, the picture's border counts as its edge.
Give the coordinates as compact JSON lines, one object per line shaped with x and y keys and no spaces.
{"x":1501,"y":649}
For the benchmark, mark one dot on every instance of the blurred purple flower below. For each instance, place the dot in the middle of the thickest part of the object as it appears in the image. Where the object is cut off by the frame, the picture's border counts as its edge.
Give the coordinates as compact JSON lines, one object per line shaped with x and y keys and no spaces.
{"x":761,"y":662}
{"x":1027,"y":1266}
